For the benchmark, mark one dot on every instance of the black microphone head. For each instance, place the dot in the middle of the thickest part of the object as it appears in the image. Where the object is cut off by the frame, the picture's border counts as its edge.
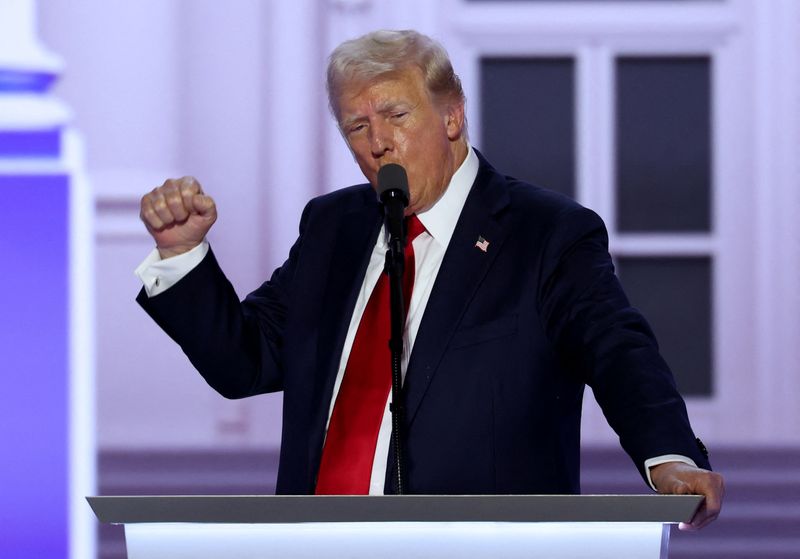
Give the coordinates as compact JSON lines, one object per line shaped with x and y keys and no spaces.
{"x":392,"y":177}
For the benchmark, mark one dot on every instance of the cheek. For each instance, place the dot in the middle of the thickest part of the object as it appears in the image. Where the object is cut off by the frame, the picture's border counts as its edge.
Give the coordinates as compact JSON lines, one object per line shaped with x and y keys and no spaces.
{"x":358,"y":146}
{"x":361,"y":153}
{"x":404,"y":144}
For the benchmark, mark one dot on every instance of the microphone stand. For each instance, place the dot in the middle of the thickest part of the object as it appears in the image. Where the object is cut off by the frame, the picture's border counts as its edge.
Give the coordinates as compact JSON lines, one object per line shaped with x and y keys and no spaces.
{"x":395,"y":263}
{"x":393,"y":194}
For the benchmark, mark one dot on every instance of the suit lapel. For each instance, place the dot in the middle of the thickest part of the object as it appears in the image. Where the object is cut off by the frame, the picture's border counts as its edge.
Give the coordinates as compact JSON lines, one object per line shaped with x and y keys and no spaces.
{"x":463,"y":268}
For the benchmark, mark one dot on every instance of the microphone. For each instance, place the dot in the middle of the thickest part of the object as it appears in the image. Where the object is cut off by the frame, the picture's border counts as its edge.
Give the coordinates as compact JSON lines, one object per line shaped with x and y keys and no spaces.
{"x":393,"y":194}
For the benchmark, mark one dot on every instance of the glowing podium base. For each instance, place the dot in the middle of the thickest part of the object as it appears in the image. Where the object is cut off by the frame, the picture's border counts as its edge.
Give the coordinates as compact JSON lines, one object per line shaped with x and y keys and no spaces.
{"x":392,"y":527}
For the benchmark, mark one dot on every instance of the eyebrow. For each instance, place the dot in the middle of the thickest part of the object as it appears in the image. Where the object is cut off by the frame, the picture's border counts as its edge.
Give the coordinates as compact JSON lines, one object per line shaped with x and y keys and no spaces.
{"x":383,"y":109}
{"x":348,"y":122}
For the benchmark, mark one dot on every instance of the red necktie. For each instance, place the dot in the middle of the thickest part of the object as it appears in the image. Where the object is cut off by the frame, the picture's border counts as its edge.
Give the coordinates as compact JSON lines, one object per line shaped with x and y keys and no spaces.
{"x":349,"y":450}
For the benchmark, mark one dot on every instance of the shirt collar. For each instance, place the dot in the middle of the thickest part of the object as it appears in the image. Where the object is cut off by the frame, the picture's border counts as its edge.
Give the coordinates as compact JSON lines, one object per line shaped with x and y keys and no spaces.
{"x":441,"y":218}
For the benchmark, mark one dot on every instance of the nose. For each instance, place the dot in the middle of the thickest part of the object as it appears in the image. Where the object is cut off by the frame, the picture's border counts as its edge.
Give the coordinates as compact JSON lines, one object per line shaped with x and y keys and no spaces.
{"x":380,"y":140}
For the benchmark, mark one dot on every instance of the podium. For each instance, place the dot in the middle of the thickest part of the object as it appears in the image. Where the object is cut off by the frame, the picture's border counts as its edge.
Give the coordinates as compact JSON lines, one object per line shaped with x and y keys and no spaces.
{"x":397,"y":527}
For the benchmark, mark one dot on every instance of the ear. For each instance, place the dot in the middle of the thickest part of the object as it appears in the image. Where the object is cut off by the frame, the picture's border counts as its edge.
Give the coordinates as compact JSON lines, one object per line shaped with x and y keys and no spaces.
{"x":454,"y":120}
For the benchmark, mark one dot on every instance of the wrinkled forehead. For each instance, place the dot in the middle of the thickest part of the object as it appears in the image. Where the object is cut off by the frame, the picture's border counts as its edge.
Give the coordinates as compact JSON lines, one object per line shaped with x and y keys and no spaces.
{"x":408,"y":81}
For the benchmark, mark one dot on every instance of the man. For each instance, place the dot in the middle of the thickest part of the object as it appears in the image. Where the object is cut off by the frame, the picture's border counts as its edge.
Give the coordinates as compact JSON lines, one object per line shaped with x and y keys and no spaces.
{"x":514,"y":308}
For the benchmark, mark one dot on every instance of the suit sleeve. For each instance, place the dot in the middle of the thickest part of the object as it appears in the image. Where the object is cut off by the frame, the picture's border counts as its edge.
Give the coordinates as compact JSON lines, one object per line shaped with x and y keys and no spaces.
{"x":236,"y":346}
{"x":599,"y":336}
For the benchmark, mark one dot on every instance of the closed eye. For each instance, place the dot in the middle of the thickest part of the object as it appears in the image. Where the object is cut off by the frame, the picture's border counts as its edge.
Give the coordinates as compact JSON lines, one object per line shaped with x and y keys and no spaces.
{"x":356,"y":128}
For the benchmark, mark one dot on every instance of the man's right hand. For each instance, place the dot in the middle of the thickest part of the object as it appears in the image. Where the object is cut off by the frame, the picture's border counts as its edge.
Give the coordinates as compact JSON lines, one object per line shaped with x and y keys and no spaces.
{"x":178,"y":215}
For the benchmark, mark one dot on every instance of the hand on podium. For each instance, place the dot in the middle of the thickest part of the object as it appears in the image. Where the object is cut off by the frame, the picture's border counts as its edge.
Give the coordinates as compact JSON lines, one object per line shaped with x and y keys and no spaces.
{"x":677,"y":478}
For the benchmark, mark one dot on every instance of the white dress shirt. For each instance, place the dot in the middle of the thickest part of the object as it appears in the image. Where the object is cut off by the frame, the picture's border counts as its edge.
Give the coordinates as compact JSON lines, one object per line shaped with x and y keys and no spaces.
{"x":429,"y":248}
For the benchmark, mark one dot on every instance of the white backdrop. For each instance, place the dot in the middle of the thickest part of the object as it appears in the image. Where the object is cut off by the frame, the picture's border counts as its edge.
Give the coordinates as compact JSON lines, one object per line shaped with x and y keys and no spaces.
{"x":233,"y":94}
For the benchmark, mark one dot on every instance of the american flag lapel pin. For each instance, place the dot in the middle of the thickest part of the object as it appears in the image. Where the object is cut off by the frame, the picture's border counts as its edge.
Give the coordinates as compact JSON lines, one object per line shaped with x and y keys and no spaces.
{"x":482,"y":244}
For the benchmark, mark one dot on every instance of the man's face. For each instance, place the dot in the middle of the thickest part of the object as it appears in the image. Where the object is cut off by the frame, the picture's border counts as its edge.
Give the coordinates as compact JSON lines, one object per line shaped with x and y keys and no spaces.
{"x":394,"y":120}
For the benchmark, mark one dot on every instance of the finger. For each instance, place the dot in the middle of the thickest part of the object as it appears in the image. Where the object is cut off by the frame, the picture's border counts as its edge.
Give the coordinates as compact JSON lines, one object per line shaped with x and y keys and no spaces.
{"x":705,"y":521}
{"x":189,"y":187}
{"x":713,"y":489}
{"x":148,"y":215}
{"x":701,"y":519}
{"x":160,"y":206}
{"x":204,"y":205}
{"x":174,"y":201}
{"x":694,"y":524}
{"x":713,"y":504}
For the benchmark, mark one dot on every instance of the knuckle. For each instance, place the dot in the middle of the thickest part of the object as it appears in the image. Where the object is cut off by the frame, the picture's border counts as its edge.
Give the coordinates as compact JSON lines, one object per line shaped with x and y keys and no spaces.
{"x":168,"y":189}
{"x":156,"y":193}
{"x":190,"y":184}
{"x":149,"y":217}
{"x":189,"y":189}
{"x":174,"y":201}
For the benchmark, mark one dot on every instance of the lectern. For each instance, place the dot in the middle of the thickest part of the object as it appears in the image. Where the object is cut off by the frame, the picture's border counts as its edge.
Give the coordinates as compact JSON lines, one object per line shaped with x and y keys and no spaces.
{"x":397,"y":527}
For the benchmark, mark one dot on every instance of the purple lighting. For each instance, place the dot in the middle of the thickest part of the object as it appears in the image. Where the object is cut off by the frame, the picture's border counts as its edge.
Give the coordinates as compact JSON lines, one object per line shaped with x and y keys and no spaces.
{"x":16,"y":81}
{"x":34,"y":363}
{"x":31,"y":143}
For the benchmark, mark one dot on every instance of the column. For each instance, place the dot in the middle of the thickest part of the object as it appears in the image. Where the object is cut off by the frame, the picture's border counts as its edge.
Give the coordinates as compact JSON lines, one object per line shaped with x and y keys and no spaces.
{"x":45,"y":303}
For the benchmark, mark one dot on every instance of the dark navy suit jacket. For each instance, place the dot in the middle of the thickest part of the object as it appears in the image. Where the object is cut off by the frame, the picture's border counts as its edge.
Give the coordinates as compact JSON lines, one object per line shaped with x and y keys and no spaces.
{"x":509,"y":339}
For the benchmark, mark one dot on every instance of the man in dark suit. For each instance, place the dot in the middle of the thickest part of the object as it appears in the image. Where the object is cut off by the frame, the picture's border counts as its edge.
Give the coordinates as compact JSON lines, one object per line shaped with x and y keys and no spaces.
{"x":514,"y":308}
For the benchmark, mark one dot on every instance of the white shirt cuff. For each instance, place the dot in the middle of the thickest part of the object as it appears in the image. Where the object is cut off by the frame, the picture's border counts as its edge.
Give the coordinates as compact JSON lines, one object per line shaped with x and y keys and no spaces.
{"x":652,"y":462}
{"x":158,"y":275}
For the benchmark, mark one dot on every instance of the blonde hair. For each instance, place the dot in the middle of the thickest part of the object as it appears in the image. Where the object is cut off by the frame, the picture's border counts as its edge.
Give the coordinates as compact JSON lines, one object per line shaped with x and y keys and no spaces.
{"x":382,"y":53}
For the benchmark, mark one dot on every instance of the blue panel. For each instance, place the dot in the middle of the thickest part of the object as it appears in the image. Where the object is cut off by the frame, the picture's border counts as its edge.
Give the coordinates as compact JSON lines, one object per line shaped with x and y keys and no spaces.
{"x":31,"y":143}
{"x":17,"y":81}
{"x":35,"y":368}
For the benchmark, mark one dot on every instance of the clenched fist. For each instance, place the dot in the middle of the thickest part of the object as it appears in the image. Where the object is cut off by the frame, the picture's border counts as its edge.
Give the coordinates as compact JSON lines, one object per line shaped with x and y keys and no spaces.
{"x":178,"y":215}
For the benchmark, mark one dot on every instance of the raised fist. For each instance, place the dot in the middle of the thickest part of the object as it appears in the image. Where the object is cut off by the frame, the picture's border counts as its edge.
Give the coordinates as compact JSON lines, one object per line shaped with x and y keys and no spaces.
{"x":178,"y":215}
